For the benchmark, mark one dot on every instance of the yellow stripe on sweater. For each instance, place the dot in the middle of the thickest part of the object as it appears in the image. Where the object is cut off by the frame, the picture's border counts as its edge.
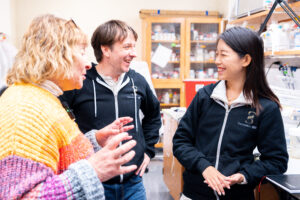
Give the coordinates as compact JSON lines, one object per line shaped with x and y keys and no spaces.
{"x":34,"y":125}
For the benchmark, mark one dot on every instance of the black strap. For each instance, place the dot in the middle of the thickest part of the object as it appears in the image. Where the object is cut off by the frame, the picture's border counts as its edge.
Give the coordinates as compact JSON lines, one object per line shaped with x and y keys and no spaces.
{"x":2,"y":90}
{"x":69,"y":111}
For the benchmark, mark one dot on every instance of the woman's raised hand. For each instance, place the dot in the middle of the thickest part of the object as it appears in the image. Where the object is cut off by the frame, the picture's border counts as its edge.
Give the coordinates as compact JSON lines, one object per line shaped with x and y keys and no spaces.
{"x":116,"y":127}
{"x":109,"y":160}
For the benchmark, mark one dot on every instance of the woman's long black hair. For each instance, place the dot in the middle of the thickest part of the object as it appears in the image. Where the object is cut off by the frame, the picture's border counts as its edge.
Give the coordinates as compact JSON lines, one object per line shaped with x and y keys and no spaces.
{"x":245,"y":41}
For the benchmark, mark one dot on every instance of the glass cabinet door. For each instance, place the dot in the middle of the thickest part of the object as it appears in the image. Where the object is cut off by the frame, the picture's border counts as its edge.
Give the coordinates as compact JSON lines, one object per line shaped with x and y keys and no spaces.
{"x":202,"y":50}
{"x":165,"y":50}
{"x":165,"y":57}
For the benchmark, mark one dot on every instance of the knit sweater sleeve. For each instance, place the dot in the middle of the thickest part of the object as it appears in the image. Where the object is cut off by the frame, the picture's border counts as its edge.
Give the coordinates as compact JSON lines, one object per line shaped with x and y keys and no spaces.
{"x":42,"y":151}
{"x":24,"y":178}
{"x":91,"y":135}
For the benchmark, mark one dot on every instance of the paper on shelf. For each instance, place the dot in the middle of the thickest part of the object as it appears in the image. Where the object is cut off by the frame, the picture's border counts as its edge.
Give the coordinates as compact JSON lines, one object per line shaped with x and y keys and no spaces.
{"x":161,"y":56}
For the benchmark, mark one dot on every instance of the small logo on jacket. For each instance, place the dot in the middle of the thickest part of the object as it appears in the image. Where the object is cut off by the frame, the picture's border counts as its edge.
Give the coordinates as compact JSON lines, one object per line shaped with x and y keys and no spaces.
{"x":249,"y":120}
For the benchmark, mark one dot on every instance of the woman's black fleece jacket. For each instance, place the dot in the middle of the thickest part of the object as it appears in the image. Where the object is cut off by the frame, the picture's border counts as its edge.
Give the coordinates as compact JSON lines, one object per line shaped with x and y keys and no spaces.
{"x":213,"y":134}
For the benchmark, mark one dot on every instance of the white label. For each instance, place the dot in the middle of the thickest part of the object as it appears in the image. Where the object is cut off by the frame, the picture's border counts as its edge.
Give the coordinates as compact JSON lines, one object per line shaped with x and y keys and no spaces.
{"x":198,"y":86}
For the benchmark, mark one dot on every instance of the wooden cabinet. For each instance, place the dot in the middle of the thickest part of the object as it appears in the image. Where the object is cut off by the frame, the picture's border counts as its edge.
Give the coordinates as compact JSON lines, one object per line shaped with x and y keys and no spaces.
{"x":171,"y":40}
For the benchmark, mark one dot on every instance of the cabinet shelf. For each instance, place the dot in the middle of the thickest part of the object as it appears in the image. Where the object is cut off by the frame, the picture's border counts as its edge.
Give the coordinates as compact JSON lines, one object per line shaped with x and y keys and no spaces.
{"x":283,"y":53}
{"x":174,"y":62}
{"x":203,"y":62}
{"x":169,"y":105}
{"x":166,"y":83}
{"x":166,"y":41}
{"x":204,"y":41}
{"x":258,"y":18}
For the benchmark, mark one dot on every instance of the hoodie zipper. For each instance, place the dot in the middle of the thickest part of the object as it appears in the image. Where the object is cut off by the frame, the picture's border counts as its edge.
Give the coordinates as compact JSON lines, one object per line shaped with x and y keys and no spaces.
{"x":221,"y":136}
{"x":95,"y":98}
{"x":117,"y":116}
{"x":220,"y":141}
{"x":116,"y":104}
{"x":227,"y":110}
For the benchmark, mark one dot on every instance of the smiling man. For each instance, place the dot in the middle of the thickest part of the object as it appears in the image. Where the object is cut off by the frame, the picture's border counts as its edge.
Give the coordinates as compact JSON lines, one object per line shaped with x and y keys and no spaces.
{"x":112,"y":90}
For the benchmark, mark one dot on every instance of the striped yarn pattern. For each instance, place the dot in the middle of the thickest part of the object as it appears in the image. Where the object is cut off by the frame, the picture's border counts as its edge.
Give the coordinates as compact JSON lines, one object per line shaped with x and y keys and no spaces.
{"x":38,"y":143}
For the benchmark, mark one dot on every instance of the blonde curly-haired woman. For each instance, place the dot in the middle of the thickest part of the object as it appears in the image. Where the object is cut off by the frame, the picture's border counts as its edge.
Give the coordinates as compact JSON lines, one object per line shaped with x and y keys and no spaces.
{"x":43,"y":154}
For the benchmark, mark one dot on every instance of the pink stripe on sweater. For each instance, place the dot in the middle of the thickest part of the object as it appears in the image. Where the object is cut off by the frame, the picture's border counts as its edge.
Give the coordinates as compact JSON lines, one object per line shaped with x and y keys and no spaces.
{"x":20,"y":175}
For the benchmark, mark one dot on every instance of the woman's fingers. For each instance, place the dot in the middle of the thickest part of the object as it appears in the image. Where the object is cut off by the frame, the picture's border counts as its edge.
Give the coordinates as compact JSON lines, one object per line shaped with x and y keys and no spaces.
{"x":109,"y":160}
{"x":217,"y":186}
{"x":127,"y":169}
{"x":123,"y":120}
{"x":124,"y":148}
{"x":236,"y":178}
{"x":125,"y":158}
{"x":225,"y":183}
{"x":215,"y":180}
{"x":127,"y":128}
{"x":117,"y":139}
{"x":118,"y":125}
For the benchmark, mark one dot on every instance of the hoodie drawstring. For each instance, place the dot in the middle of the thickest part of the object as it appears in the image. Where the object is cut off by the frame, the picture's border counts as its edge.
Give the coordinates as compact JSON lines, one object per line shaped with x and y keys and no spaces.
{"x":135,"y":105}
{"x":134,"y":88}
{"x":95,"y":99}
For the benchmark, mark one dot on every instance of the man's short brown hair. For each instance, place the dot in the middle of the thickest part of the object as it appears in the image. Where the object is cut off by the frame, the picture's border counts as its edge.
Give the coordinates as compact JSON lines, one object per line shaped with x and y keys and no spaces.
{"x":109,"y":33}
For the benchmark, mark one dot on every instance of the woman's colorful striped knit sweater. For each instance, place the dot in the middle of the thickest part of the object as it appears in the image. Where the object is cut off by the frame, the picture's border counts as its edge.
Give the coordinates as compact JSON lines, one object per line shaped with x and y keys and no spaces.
{"x":38,"y":144}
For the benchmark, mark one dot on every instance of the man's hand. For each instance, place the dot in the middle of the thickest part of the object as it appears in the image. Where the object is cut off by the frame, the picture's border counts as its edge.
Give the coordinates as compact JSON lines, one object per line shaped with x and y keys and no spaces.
{"x":116,"y":127}
{"x":215,"y":180}
{"x":109,"y":160}
{"x":143,"y":166}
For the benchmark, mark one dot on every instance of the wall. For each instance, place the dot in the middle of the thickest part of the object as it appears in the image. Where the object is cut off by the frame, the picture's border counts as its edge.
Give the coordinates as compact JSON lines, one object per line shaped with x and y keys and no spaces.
{"x":88,"y":14}
{"x":6,"y":19}
{"x":222,"y":7}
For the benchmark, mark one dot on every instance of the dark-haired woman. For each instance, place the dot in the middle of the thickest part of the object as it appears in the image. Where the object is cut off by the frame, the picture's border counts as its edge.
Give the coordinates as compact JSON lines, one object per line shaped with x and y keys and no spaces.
{"x":226,"y":121}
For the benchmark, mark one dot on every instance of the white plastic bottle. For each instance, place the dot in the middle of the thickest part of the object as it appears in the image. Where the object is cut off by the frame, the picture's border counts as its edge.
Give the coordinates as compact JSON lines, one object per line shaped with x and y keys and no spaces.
{"x":297,"y":38}
{"x":285,"y":39}
{"x":267,"y":38}
{"x":166,"y":98}
{"x":276,"y":33}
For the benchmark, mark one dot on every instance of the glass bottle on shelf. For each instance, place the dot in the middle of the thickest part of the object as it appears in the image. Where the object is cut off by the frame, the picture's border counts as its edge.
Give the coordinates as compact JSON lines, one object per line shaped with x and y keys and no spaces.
{"x":170,"y":96}
{"x":176,"y":98}
{"x":166,"y":97}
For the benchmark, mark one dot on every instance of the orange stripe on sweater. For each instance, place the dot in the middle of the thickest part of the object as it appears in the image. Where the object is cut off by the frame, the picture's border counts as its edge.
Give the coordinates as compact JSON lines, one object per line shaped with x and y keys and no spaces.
{"x":75,"y":151}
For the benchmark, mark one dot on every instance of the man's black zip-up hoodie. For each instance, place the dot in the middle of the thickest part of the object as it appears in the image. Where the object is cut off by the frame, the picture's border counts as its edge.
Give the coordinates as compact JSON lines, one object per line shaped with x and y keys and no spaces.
{"x":96,"y":106}
{"x":213,"y":134}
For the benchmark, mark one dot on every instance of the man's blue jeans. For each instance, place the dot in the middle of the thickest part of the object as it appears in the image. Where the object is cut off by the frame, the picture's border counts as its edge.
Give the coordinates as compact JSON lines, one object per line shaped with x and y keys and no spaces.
{"x":132,"y":189}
